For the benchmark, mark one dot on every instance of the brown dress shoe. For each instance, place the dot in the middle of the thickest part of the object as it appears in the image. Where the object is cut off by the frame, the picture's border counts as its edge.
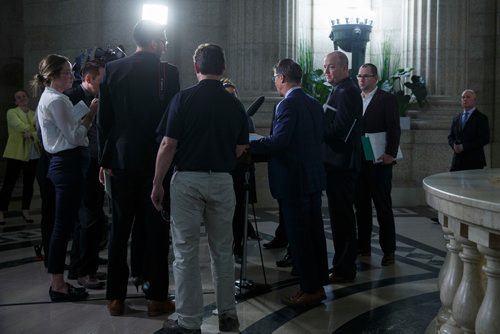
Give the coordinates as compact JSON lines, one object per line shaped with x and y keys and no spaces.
{"x":156,"y":308}
{"x":116,"y":307}
{"x":305,"y":298}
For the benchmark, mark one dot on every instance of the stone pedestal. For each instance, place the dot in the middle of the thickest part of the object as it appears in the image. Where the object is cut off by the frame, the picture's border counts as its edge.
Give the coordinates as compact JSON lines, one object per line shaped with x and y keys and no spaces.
{"x":468,"y":203}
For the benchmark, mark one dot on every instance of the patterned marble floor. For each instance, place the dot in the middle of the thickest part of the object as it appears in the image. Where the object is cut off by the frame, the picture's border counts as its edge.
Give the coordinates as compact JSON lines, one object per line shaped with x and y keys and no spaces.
{"x":398,"y":299}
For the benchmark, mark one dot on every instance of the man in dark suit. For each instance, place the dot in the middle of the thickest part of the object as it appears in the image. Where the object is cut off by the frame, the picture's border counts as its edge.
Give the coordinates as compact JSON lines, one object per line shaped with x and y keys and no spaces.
{"x":84,"y":259}
{"x":131,"y":106}
{"x":380,"y":114}
{"x":469,"y":133}
{"x":342,"y":158}
{"x":296,"y":179}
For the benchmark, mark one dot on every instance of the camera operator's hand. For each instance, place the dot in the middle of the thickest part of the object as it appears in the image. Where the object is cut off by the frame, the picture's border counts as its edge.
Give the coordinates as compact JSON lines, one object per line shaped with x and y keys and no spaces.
{"x":458,"y":148}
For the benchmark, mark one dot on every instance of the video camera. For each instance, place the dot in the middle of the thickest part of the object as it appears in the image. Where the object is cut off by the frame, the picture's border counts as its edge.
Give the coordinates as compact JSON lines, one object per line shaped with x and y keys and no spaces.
{"x":96,"y":54}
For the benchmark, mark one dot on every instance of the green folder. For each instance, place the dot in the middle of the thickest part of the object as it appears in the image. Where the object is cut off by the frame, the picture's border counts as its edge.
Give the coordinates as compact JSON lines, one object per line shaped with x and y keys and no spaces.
{"x":367,"y":148}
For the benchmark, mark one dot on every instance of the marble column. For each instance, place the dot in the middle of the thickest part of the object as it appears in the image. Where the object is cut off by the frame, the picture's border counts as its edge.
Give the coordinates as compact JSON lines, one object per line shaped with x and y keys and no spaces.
{"x":450,"y":274}
{"x":451,"y":278}
{"x":261,"y":32}
{"x":470,"y":292}
{"x":488,"y":316}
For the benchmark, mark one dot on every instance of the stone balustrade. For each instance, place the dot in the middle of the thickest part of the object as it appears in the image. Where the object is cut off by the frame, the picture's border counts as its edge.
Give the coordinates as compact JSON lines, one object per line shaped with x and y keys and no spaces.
{"x":468,"y":203}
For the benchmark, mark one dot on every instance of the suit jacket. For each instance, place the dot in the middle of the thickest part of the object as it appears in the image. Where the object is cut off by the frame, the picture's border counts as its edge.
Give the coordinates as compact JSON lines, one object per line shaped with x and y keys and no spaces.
{"x":295,"y":167}
{"x":382,"y":115}
{"x":17,"y":146}
{"x":132,"y":103}
{"x":342,"y":128}
{"x":474,"y":136}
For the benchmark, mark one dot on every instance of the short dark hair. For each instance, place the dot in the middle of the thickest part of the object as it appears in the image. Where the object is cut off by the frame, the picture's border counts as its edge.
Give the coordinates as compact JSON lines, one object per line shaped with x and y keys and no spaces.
{"x":210,"y":59}
{"x":92,"y":67}
{"x":291,"y":71}
{"x":372,"y":68}
{"x":146,"y":31}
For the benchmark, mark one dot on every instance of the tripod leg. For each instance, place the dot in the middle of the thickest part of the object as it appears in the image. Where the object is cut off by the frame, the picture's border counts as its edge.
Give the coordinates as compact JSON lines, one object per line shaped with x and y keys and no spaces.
{"x":258,"y":240}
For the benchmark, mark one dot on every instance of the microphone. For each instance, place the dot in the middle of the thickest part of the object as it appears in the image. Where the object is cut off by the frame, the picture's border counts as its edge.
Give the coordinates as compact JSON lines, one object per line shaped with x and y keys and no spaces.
{"x":255,"y":106}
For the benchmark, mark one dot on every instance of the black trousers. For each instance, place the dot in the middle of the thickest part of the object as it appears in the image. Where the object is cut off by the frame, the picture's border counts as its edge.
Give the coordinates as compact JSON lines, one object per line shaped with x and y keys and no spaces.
{"x":13,"y":169}
{"x":340,"y":189}
{"x":375,"y":183}
{"x":67,"y":172}
{"x":48,"y":197}
{"x":131,"y":204}
{"x":280,"y":233}
{"x":88,"y":229}
{"x":306,"y":235}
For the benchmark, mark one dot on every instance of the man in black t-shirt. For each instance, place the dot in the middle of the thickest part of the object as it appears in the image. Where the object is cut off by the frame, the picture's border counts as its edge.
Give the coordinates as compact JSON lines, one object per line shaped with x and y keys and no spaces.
{"x":207,"y":130}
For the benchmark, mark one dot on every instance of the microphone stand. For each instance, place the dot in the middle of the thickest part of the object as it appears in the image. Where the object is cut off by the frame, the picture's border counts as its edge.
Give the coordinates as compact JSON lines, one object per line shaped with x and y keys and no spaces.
{"x":246,"y":288}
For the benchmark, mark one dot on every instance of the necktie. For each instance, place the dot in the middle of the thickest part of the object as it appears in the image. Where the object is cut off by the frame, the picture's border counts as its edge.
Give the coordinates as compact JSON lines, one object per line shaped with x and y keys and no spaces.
{"x":465,"y":116}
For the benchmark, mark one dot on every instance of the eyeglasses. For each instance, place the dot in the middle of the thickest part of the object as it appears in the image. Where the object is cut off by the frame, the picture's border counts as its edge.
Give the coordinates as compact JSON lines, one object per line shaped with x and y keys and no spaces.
{"x":364,"y":76}
{"x":274,"y":77}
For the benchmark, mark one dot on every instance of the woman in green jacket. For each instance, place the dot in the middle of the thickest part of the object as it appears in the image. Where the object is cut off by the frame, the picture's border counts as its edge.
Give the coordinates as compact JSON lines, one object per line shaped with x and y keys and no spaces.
{"x":21,"y":153}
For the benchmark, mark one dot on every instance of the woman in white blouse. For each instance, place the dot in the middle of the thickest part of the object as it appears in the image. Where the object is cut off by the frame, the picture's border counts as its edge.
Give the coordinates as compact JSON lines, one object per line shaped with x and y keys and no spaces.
{"x":64,"y":137}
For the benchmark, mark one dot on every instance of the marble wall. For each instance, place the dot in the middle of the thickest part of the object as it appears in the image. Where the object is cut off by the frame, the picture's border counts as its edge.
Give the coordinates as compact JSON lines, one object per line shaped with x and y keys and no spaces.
{"x":11,"y":61}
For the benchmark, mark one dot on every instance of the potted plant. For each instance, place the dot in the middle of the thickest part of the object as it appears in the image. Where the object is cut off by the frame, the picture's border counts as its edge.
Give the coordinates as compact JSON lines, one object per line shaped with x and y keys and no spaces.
{"x":409,"y":89}
{"x":313,"y":81}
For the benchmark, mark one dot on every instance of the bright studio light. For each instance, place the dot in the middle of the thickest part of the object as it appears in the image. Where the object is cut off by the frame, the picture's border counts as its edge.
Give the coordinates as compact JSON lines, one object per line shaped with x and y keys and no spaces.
{"x":157,"y":13}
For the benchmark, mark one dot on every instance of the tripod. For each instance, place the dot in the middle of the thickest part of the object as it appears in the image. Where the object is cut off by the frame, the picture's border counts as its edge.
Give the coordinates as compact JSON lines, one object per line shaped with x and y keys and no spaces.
{"x":246,"y":288}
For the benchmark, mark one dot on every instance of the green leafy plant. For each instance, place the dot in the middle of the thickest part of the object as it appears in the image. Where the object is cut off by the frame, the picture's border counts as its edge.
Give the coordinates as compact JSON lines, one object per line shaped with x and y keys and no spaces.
{"x":402,"y":82}
{"x":313,"y":80}
{"x":408,"y":89}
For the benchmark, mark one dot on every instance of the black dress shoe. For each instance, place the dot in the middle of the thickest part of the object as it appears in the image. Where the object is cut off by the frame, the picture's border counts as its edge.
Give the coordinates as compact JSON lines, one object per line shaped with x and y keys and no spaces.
{"x":388,"y":259}
{"x":339,"y":279}
{"x":73,"y":294}
{"x":285,"y":262}
{"x":275,"y":243}
{"x":72,"y":275}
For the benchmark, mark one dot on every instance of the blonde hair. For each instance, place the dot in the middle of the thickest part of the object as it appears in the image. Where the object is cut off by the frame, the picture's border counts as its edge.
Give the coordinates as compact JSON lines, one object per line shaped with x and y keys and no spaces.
{"x":48,"y":68}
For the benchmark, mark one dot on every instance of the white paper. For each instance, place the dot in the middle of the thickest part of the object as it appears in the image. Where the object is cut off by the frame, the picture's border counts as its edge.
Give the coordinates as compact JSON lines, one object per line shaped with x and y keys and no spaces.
{"x":328,"y":107}
{"x":255,"y":136}
{"x":107,"y":183}
{"x":80,"y":109}
{"x":378,"y":141}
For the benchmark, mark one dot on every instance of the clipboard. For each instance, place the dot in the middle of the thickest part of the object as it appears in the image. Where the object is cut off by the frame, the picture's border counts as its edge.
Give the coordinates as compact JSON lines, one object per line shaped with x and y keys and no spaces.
{"x":375,"y":146}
